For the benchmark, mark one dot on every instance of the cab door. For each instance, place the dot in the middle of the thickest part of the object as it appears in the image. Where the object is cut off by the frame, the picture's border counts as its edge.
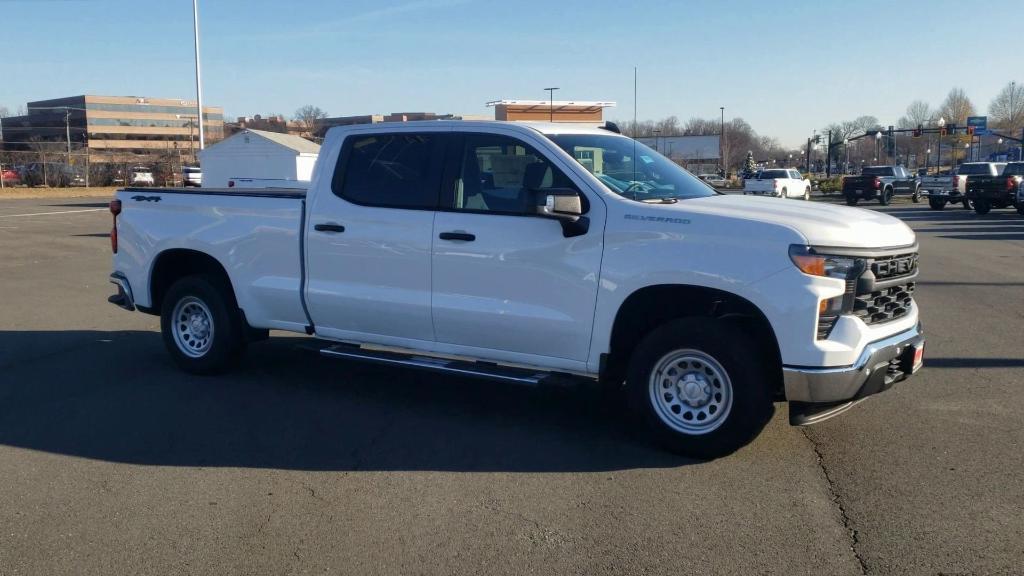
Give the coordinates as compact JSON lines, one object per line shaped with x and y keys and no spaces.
{"x":508,"y":284}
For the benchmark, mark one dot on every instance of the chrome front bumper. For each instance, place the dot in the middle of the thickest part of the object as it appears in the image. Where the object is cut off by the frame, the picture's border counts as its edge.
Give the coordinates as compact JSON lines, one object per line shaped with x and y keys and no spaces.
{"x":879,"y":366}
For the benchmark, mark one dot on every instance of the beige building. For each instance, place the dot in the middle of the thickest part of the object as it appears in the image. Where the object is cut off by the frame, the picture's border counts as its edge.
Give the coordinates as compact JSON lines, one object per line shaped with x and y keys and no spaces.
{"x":115,"y":124}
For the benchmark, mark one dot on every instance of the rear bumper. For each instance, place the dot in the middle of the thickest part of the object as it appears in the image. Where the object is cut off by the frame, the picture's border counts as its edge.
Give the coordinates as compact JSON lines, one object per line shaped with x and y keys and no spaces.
{"x":815,"y":394}
{"x":124,"y":297}
{"x":866,"y":194}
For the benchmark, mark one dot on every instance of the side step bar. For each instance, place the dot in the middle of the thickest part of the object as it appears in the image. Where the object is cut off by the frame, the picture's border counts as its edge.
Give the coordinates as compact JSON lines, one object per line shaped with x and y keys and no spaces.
{"x":468,"y":368}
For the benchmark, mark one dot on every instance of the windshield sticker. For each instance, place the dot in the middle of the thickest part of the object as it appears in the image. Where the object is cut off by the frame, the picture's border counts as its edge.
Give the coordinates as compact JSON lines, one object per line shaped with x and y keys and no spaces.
{"x":657,"y":219}
{"x":647,"y":159}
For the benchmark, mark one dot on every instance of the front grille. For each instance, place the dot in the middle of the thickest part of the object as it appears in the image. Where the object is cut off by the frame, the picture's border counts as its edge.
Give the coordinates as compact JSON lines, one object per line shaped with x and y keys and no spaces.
{"x":885,"y":304}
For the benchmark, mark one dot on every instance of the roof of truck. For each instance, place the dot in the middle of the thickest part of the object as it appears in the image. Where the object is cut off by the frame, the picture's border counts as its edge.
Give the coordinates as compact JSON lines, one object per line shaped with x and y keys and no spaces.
{"x":542,"y":127}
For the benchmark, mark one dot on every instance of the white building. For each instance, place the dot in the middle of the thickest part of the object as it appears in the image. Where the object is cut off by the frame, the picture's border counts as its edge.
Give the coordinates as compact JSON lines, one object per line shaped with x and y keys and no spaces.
{"x":258,"y":154}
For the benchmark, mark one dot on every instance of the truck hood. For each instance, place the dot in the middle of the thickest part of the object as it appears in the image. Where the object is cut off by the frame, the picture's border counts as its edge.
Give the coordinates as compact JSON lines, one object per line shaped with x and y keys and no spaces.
{"x":821,"y":224}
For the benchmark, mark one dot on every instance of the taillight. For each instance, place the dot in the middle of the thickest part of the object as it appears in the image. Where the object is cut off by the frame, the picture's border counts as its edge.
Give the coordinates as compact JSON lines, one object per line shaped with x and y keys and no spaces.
{"x":956,"y":181}
{"x":878,"y":182}
{"x":775,"y":183}
{"x":115,"y":209}
{"x":1010,"y":183}
{"x":231,"y":183}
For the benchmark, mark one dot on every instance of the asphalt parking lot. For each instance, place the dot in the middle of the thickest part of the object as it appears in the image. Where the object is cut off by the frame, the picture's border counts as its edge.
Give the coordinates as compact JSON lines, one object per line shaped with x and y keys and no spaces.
{"x":112,"y":461}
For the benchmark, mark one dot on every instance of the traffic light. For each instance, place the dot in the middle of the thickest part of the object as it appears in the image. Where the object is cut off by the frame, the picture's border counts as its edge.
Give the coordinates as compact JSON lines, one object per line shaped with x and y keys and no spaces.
{"x":942,"y":131}
{"x":951,"y":128}
{"x":917,"y":132}
{"x":817,"y":139}
{"x":970,"y":130}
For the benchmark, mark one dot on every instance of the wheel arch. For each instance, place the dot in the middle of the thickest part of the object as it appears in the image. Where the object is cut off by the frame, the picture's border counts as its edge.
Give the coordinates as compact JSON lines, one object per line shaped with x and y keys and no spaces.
{"x":175,"y":263}
{"x":649,"y":307}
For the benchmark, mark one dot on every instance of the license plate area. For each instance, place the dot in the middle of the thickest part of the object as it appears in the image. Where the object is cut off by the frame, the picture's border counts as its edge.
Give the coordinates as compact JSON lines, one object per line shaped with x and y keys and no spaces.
{"x":912,"y":358}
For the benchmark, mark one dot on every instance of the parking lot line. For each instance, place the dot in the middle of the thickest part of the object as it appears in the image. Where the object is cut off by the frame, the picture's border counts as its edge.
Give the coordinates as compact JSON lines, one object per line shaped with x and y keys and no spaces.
{"x":48,"y":213}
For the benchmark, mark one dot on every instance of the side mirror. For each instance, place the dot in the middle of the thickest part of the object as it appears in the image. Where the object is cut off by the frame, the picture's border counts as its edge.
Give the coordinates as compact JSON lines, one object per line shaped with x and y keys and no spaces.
{"x":564,"y":205}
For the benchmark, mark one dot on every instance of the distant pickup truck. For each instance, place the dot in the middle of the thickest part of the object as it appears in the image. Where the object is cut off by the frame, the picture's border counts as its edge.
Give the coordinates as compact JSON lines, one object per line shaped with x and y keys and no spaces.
{"x":881,"y":182}
{"x":533,"y":254}
{"x":943,"y":189}
{"x":779,"y":183}
{"x":1003,"y":191}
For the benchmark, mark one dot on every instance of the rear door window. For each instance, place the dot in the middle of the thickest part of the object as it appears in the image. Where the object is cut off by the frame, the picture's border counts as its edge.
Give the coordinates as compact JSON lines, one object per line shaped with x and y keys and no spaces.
{"x":400,"y":170}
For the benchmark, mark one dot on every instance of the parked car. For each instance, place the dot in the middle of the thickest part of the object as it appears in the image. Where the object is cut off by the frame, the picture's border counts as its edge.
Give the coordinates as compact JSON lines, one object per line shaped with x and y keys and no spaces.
{"x":1002,"y":191}
{"x":715,"y":180}
{"x":881,"y":182}
{"x":10,"y":176}
{"x":283,"y":183}
{"x":191,"y":176}
{"x":529,"y":267}
{"x":780,"y":183}
{"x":142,"y":176}
{"x":952,"y":188}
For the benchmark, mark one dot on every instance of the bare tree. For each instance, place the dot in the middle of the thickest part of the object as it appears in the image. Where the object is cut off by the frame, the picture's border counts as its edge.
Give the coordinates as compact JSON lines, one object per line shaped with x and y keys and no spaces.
{"x":1006,"y":112}
{"x":310,"y":118}
{"x":957,"y":107}
{"x":918,"y":113}
{"x":4,"y":112}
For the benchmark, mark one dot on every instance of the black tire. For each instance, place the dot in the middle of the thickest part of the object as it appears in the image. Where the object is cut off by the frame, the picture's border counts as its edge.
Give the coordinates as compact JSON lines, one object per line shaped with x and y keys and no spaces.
{"x":785,"y":193}
{"x":807,"y":194}
{"x":1020,"y":210}
{"x":936,"y":203}
{"x":916,"y":197}
{"x":968,"y":204}
{"x":851,"y":200}
{"x":227,"y":341}
{"x":749,"y":395}
{"x":885,"y":197}
{"x":982,"y":207}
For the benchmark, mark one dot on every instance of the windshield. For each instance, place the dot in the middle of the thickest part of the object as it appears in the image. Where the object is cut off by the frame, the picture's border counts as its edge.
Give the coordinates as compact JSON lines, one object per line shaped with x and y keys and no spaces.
{"x":630,"y":169}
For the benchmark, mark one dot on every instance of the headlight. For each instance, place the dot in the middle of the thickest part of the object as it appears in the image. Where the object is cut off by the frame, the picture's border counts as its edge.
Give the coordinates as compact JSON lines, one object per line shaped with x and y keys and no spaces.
{"x":809,"y":261}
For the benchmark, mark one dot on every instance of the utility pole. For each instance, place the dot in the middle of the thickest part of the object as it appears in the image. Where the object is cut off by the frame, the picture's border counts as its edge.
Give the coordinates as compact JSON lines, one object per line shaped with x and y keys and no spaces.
{"x":721,"y":140}
{"x":807,"y":160}
{"x":828,"y":156}
{"x":199,"y":78}
{"x":551,"y":104}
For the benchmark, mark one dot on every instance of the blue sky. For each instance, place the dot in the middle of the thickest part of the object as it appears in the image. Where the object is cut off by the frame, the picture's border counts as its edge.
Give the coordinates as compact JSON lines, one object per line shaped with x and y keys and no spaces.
{"x":787,"y":67}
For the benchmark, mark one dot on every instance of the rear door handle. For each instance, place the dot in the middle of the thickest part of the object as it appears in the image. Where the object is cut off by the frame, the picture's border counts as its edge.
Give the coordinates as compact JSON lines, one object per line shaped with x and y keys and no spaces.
{"x":464,"y":236}
{"x":329,"y":227}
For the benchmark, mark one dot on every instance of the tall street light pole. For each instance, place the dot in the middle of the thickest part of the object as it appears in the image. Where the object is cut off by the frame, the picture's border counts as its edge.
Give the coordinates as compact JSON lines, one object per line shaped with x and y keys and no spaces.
{"x":551,"y":103}
{"x":721,"y":140}
{"x":199,"y":78}
{"x":938,"y":149}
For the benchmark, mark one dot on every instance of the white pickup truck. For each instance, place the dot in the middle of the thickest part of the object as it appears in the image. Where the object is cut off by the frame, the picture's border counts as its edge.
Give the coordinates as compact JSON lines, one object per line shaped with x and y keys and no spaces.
{"x":535,"y":253}
{"x":778,"y":182}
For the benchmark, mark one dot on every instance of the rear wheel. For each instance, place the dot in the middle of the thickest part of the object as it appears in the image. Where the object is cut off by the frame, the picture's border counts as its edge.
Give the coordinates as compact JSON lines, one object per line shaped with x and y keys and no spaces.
{"x":885,"y":197}
{"x":1020,"y":209}
{"x":785,"y":193}
{"x":807,"y":193}
{"x":201,"y":325}
{"x":982,"y":206}
{"x":694,"y":387}
{"x":851,"y":200}
{"x":936,"y":203}
{"x":916,"y":198}
{"x":968,"y":204}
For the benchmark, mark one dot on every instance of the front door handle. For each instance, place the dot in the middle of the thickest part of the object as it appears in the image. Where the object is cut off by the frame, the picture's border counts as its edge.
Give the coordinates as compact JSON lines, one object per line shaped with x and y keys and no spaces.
{"x":464,"y":236}
{"x":329,"y":227}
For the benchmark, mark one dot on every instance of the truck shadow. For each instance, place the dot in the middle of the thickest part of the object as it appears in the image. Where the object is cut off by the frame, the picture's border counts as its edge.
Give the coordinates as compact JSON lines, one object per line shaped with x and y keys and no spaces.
{"x":116,"y":396}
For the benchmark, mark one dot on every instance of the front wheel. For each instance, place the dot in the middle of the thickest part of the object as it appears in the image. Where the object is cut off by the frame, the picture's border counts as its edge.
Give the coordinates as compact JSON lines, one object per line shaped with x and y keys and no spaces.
{"x":982,"y":207}
{"x":916,"y":198}
{"x":885,"y":197}
{"x":1020,"y":209}
{"x":936,"y":203}
{"x":694,"y":387}
{"x":201,"y":326}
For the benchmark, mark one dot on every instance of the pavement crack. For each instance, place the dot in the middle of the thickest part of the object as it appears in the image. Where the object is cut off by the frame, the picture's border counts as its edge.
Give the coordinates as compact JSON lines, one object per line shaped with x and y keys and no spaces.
{"x":837,"y":501}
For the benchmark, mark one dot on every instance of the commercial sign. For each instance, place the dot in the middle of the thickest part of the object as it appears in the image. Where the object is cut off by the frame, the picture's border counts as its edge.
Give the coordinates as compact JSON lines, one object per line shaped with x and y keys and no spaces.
{"x":979,"y":123}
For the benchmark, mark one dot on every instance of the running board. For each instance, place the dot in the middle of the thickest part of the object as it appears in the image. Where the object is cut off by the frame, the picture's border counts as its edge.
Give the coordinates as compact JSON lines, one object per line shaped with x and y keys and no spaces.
{"x":468,"y":368}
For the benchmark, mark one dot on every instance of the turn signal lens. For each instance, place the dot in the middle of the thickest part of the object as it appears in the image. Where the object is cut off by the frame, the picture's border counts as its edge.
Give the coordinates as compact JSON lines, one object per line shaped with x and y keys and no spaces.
{"x":813,"y":265}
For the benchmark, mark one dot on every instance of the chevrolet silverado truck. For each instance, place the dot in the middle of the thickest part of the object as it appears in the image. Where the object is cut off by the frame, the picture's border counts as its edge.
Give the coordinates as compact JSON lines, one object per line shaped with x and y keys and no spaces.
{"x":881,"y":182}
{"x":778,"y":183}
{"x":997,"y":191}
{"x":537,"y":254}
{"x":952,"y":188}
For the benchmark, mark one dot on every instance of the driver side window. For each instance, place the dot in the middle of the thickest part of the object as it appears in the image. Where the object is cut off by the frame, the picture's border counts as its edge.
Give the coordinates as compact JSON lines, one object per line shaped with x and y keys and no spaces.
{"x":501,"y":175}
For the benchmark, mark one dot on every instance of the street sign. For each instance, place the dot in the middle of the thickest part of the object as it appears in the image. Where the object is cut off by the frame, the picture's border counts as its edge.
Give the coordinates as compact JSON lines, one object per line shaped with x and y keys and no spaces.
{"x":978,"y":122}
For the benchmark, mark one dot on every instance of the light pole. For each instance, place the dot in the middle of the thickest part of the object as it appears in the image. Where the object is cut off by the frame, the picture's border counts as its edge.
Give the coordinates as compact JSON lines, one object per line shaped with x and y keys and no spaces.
{"x":551,"y":104}
{"x":656,"y":148}
{"x":199,"y":78}
{"x":938,"y":152}
{"x":878,"y":141}
{"x":927,"y":159}
{"x":846,"y":146}
{"x":721,"y":140}
{"x":191,"y":125}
